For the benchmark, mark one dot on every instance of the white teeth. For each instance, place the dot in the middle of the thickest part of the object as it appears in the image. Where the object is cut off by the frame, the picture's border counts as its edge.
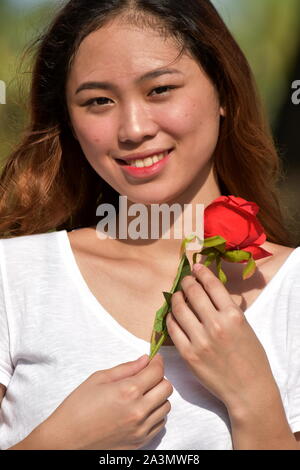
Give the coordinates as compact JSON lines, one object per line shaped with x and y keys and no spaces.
{"x":139,"y":163}
{"x":147,"y":161}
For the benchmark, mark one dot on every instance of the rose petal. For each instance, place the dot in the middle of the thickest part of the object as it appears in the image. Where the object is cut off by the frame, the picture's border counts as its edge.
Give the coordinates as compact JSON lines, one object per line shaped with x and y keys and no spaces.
{"x":238,"y":227}
{"x":234,"y":219}
{"x":257,"y":252}
{"x":250,"y":207}
{"x":256,"y":235}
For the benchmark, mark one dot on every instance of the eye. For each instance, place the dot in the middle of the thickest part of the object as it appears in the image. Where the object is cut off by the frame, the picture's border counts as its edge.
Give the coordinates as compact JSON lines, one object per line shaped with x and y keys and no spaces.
{"x":168,"y":87}
{"x":95,"y":102}
{"x":98,"y":102}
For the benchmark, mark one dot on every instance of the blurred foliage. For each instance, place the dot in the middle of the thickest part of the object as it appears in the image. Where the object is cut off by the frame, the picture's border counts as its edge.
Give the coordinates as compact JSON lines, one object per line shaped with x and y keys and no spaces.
{"x":19,"y":27}
{"x":267,"y":31}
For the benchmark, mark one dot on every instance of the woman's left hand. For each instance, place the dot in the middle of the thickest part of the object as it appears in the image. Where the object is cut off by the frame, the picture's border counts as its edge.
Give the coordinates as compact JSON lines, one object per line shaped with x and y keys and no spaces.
{"x":215,"y":339}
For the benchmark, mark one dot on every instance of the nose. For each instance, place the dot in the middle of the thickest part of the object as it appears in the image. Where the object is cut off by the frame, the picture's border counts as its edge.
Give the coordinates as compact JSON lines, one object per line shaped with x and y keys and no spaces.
{"x":136,"y":123}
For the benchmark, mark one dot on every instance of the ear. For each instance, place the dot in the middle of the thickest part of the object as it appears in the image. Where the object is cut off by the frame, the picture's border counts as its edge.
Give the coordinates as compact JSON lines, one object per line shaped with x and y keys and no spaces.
{"x":222,"y":112}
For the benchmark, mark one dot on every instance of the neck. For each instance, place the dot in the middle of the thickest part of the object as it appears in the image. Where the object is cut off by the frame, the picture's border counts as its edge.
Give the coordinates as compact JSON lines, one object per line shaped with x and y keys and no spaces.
{"x":159,"y":242}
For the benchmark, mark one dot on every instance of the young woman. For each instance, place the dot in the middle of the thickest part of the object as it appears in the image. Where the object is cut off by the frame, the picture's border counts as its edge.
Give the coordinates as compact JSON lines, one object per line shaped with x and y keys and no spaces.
{"x":122,"y":80}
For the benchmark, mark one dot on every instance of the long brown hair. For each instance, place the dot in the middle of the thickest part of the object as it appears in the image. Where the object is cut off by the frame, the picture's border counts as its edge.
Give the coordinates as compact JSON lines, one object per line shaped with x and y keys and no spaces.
{"x":47,"y":183}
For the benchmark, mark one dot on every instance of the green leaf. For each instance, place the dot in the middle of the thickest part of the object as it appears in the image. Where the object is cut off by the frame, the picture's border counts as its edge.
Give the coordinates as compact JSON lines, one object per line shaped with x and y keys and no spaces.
{"x":185,"y":242}
{"x":249,"y":269}
{"x":159,"y":316}
{"x":188,"y":240}
{"x":221,"y":274}
{"x":160,"y":327}
{"x":218,"y":249}
{"x":184,"y":269}
{"x":213,"y":241}
{"x":207,"y":251}
{"x":210,"y":258}
{"x":235,"y":256}
{"x":163,"y":334}
{"x":167,"y":296}
{"x":221,"y":248}
{"x":156,"y":345}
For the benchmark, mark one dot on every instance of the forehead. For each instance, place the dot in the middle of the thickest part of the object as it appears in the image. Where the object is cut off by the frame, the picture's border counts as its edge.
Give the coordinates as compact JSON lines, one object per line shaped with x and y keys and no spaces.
{"x":122,"y":51}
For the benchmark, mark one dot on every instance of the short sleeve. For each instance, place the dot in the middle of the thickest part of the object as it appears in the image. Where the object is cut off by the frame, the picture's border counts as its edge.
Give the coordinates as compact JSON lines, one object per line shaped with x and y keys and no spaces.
{"x":6,"y":366}
{"x":293,"y":349}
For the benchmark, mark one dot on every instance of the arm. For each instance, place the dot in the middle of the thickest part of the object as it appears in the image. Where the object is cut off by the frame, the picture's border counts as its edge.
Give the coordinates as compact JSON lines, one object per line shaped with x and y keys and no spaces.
{"x":41,"y":438}
{"x":263,"y":424}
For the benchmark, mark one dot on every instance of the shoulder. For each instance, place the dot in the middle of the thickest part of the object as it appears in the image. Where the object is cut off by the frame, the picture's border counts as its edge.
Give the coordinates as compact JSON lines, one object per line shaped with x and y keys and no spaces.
{"x":281,"y":256}
{"x":28,"y":240}
{"x":86,"y":243}
{"x":282,"y":265}
{"x":28,"y":250}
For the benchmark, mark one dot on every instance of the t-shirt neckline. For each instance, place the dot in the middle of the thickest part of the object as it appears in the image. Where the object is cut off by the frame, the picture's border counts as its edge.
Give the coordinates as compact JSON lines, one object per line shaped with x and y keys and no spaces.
{"x":117,"y":327}
{"x":97,"y":307}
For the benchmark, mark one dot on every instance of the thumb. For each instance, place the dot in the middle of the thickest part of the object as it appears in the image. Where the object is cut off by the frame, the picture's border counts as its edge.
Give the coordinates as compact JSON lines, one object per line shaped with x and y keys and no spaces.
{"x":127,"y":369}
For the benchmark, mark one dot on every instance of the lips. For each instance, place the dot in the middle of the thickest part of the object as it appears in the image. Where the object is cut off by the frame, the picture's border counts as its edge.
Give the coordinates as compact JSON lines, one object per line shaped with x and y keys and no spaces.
{"x":146,"y":172}
{"x":125,"y":161}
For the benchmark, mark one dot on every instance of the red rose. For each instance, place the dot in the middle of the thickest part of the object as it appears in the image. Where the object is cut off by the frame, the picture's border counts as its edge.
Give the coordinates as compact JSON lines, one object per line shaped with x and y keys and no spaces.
{"x":234,"y":219}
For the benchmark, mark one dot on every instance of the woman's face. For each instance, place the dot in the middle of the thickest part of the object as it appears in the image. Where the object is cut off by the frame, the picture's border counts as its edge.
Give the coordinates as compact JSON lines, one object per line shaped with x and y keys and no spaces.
{"x":131,"y":114}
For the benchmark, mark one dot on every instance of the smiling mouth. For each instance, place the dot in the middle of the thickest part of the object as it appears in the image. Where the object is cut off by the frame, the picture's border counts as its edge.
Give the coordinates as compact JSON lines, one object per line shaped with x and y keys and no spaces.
{"x":133,"y":162}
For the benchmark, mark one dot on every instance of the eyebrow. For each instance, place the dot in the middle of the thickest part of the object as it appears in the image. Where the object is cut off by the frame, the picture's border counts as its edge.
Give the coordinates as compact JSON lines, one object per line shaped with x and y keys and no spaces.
{"x":111,"y":86}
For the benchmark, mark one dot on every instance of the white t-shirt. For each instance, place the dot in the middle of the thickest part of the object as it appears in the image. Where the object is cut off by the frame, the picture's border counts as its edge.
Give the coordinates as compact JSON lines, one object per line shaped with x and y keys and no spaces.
{"x":54,"y":334}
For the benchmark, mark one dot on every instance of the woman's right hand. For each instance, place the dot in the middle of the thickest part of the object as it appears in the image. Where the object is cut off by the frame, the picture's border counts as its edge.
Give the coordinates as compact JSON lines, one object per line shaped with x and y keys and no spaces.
{"x":119,"y":408}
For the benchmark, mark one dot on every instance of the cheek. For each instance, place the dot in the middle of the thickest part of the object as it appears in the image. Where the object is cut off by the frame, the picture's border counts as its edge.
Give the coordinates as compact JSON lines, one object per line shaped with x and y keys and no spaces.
{"x":204,"y":114}
{"x":177,"y":119}
{"x":93,"y":137}
{"x":197,"y":127}
{"x":193,"y":116}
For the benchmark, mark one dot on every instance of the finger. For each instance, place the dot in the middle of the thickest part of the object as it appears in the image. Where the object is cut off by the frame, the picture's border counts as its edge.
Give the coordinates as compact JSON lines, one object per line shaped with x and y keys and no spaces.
{"x":198,"y":299}
{"x":214,"y":288}
{"x":150,"y":376}
{"x":183,"y":325}
{"x":157,"y":418}
{"x":124,"y":370}
{"x":157,"y":396}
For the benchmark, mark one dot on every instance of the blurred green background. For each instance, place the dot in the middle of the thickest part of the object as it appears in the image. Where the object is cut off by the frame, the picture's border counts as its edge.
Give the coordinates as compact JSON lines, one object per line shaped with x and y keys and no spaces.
{"x":268,"y":32}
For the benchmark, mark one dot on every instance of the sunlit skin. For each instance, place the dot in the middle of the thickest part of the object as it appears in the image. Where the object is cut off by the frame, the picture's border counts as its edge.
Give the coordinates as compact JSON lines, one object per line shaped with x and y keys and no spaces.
{"x":135,"y":117}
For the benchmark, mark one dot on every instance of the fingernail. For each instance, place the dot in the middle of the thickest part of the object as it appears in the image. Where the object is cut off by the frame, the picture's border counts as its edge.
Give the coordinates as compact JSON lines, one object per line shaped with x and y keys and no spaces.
{"x":197,"y":267}
{"x":140,"y":358}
